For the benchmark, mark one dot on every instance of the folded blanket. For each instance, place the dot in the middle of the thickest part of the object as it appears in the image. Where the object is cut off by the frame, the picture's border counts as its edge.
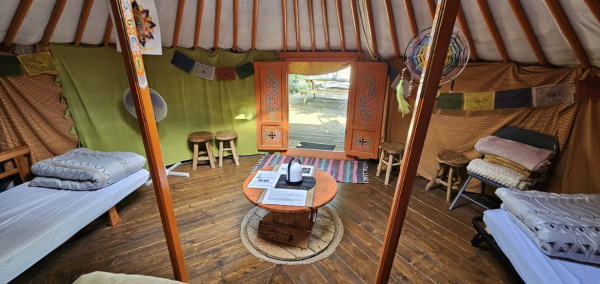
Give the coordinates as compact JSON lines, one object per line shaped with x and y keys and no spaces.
{"x":499,"y":174}
{"x":84,"y":169}
{"x":532,"y":158}
{"x":561,"y":225}
{"x":507,"y":164}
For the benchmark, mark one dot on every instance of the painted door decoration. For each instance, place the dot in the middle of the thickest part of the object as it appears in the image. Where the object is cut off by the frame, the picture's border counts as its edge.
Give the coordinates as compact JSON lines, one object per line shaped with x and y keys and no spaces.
{"x":270,"y":85}
{"x":365,"y":108}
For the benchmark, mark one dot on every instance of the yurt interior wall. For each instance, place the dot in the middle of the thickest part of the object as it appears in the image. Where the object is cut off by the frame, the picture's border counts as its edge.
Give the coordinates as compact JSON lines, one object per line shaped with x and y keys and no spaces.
{"x":287,"y":78}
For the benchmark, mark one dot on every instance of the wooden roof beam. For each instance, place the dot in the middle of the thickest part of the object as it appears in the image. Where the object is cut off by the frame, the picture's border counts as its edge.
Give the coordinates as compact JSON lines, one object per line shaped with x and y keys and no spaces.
{"x":254,"y":19}
{"x":465,"y":30}
{"x":489,"y":21}
{"x":85,"y":14}
{"x":431,"y":5}
{"x":199,"y":22}
{"x":178,"y":23}
{"x":392,"y":24}
{"x":355,"y":22}
{"x":594,"y":6}
{"x":338,"y":8}
{"x":371,"y":27}
{"x":311,"y":22}
{"x":325,"y":26}
{"x":107,"y":31}
{"x":17,"y":20}
{"x":297,"y":25}
{"x":524,"y":22}
{"x":284,"y":13}
{"x":411,"y":17}
{"x":435,"y":60}
{"x":568,"y":32}
{"x":58,"y":9}
{"x":217,"y":23}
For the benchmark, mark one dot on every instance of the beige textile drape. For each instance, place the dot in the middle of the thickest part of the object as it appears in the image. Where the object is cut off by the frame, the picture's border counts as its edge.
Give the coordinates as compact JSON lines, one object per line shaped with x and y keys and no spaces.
{"x":31,"y":114}
{"x":316,"y":68}
{"x":574,"y":126}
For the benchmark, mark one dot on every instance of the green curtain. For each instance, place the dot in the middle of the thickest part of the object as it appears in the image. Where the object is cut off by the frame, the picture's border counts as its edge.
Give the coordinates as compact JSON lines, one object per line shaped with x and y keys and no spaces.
{"x":94,"y":79}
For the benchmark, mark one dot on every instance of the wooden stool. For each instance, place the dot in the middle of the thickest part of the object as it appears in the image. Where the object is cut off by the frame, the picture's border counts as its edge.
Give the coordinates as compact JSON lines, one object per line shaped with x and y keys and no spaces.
{"x":452,"y":161}
{"x":206,"y":138}
{"x":227,"y":135}
{"x":392,"y":148}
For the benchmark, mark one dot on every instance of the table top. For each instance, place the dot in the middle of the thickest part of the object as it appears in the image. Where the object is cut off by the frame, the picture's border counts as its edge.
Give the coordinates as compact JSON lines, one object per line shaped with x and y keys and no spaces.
{"x":325,"y":191}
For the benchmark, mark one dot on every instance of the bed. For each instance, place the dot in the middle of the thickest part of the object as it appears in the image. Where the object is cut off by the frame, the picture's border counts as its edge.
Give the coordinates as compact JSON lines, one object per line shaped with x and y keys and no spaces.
{"x":34,"y":220}
{"x":531,"y":264}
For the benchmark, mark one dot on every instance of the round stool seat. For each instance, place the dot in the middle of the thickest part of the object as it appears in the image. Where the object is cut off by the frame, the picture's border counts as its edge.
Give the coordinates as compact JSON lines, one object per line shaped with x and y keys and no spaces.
{"x":226,"y":135}
{"x":452,"y":158}
{"x":199,"y":137}
{"x":392,"y":147}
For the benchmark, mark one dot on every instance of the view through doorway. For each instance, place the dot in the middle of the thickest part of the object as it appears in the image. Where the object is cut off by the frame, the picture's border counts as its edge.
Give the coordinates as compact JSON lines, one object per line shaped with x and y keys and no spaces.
{"x":318,"y":106}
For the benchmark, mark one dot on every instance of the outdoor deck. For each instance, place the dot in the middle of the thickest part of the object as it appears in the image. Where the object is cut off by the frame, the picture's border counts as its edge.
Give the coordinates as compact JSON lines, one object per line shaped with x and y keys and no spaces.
{"x":321,"y":120}
{"x":209,"y":206}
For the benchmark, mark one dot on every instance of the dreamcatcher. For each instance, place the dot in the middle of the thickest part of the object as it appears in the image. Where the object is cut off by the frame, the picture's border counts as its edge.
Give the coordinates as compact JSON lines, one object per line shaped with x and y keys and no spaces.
{"x":415,"y":53}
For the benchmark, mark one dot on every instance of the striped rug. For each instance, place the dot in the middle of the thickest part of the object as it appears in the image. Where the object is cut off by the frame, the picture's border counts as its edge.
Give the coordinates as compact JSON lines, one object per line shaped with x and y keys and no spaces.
{"x":342,"y":171}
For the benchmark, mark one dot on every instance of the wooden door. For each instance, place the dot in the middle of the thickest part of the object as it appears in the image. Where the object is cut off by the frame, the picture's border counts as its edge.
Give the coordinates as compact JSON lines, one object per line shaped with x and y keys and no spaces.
{"x":365,"y":108}
{"x":270,"y":84}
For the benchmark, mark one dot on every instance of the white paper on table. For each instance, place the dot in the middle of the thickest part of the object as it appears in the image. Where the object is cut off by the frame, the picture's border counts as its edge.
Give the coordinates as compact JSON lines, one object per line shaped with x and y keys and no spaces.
{"x":289,"y":197}
{"x":307,"y":171}
{"x":264,"y":179}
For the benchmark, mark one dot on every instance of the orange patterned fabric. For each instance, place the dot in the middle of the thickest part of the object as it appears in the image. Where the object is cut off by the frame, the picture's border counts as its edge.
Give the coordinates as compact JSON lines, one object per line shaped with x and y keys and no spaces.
{"x":578,"y":166}
{"x":31,"y":114}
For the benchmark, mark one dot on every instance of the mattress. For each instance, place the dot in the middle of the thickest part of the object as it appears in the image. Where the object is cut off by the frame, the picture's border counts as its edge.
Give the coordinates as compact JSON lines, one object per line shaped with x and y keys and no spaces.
{"x":35,"y":220}
{"x":530,"y":262}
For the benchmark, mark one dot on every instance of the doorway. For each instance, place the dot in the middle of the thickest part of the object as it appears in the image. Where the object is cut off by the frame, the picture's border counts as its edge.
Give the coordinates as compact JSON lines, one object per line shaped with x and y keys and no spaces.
{"x":318,"y":110}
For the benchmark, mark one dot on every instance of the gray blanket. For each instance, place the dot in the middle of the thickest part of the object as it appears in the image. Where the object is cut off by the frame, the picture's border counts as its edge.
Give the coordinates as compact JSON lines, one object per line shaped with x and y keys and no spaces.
{"x":84,"y":169}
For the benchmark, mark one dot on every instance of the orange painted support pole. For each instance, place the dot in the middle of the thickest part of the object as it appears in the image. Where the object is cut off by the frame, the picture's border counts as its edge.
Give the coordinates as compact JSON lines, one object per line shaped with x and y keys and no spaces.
{"x":178,"y":23}
{"x":284,"y":13}
{"x":17,"y":20}
{"x":107,"y":32}
{"x":392,"y":24}
{"x":338,"y":9}
{"x":355,"y":22}
{"x":254,"y":19}
{"x":58,"y":9}
{"x":371,"y":27}
{"x":199,"y":22}
{"x":217,"y":23}
{"x":85,"y":13}
{"x":524,"y":22}
{"x":441,"y":33}
{"x":311,"y":24}
{"x":568,"y":32}
{"x":489,"y":21}
{"x":465,"y":29}
{"x":325,"y":26}
{"x":136,"y":74}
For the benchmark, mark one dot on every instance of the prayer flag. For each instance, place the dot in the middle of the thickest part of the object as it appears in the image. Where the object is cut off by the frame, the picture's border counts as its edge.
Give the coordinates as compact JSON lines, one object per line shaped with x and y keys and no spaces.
{"x":10,"y":66}
{"x":225,"y":73}
{"x":244,"y":71}
{"x":204,"y":71}
{"x":37,"y":63}
{"x":551,"y":95}
{"x":183,"y":62}
{"x":391,"y":72}
{"x":513,"y":99}
{"x":479,"y":101}
{"x":450,"y":101}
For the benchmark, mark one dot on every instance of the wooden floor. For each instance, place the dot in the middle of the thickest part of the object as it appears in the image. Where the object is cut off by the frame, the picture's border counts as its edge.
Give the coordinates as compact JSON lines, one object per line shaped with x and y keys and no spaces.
{"x":321,"y":120}
{"x":209,"y":206}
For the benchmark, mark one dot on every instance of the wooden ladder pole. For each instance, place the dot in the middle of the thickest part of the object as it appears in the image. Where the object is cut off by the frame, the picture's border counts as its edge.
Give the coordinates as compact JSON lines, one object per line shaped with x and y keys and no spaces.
{"x":441,"y":33}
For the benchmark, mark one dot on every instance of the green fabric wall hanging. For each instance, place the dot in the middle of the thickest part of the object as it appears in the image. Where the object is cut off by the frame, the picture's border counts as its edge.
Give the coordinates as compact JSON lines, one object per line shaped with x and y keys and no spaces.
{"x":94,"y":79}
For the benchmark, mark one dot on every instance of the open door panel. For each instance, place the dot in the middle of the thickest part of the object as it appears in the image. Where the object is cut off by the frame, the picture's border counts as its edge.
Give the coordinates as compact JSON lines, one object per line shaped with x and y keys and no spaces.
{"x":365,"y":108}
{"x":270,"y":84}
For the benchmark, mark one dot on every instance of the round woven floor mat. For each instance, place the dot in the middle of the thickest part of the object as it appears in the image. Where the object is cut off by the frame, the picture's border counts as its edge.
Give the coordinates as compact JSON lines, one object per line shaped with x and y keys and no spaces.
{"x":326,"y":235}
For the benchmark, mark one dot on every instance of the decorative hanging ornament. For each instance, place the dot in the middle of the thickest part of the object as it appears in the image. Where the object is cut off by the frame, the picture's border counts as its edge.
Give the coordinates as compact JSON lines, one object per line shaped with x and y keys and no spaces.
{"x":456,"y":61}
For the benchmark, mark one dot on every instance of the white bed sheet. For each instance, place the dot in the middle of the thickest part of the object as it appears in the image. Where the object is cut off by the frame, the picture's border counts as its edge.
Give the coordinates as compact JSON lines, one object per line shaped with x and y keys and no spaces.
{"x":530,"y":262}
{"x":34,"y":220}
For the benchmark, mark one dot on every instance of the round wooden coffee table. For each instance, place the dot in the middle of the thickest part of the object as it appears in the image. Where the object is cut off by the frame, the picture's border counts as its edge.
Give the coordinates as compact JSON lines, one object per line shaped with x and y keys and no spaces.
{"x":320,"y":226}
